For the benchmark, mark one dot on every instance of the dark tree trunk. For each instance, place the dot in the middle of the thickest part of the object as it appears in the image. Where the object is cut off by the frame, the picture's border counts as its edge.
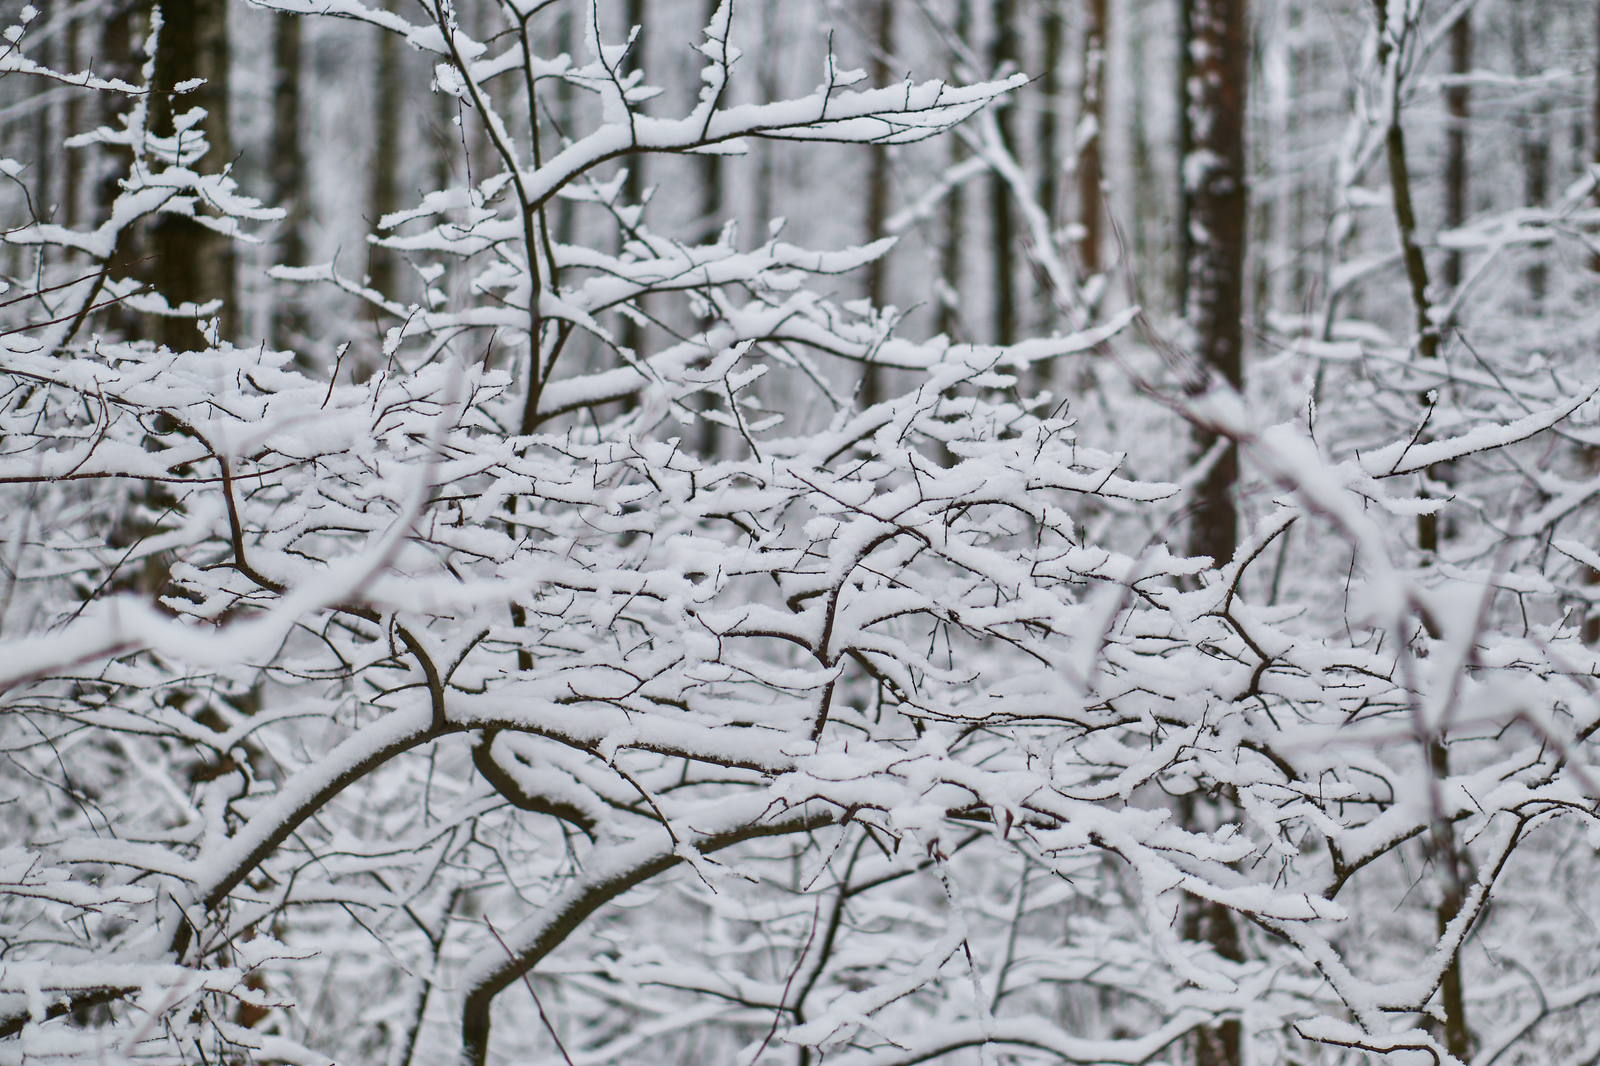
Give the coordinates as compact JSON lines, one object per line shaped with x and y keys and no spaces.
{"x":193,"y":264}
{"x":45,"y":130}
{"x":289,"y":185}
{"x":114,"y":58}
{"x":632,"y":334}
{"x":878,"y":187}
{"x":1003,"y":52}
{"x":1052,"y":27}
{"x":383,"y":196}
{"x":72,"y":178}
{"x":953,"y":247}
{"x":1091,"y":123}
{"x":1217,"y":201}
{"x":711,"y":168}
{"x":1206,"y":922}
{"x":1185,"y":137}
{"x":1458,"y":102}
{"x":1454,"y":868}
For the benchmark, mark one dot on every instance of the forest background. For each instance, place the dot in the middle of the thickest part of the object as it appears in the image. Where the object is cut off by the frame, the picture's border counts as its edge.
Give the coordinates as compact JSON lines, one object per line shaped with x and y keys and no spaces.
{"x":1258,"y":732}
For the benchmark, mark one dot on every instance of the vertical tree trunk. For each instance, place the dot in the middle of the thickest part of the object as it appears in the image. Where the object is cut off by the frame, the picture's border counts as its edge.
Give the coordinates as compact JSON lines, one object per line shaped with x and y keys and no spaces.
{"x":72,"y":176}
{"x":1594,"y":128}
{"x":192,"y":263}
{"x":1216,"y":211}
{"x":1052,"y":27}
{"x":1212,"y":923}
{"x":289,"y":186}
{"x":114,"y":58}
{"x":878,"y":186}
{"x":1091,"y":123}
{"x":1453,"y":865}
{"x":1411,"y":251}
{"x":45,"y":130}
{"x":1185,"y":137}
{"x":1002,"y":51}
{"x":1216,"y":193}
{"x":383,"y":190}
{"x":632,"y":333}
{"x":1458,"y":102}
{"x":953,"y":247}
{"x":1535,"y":133}
{"x":710,"y":167}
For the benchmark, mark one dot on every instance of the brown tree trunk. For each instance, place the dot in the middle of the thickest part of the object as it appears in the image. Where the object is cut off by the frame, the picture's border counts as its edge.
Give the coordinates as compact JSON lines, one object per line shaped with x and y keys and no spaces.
{"x":1458,"y":102}
{"x":711,"y":169}
{"x":632,"y":333}
{"x":72,"y":178}
{"x":1206,"y":922}
{"x":1091,"y":123}
{"x":1453,"y":866}
{"x":193,"y":264}
{"x":114,"y":58}
{"x":953,"y":247}
{"x":1052,"y":28}
{"x":1002,"y":52}
{"x":1535,"y":132}
{"x":1215,"y":217}
{"x":45,"y":131}
{"x":1215,"y":188}
{"x":383,"y":190}
{"x":289,"y":186}
{"x":878,"y":187}
{"x":1185,"y":138}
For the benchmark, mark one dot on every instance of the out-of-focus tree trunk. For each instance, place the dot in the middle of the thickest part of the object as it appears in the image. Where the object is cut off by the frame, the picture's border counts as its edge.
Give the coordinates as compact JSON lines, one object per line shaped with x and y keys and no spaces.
{"x":1215,"y":210}
{"x":1594,"y":127}
{"x":1206,"y":922}
{"x":1091,"y":123}
{"x":46,"y":139}
{"x":1449,"y":858}
{"x":1185,"y":138}
{"x":1052,"y":28}
{"x":1002,"y":53}
{"x":1458,"y":103}
{"x":952,"y":248}
{"x":193,"y":264}
{"x":710,"y":175}
{"x":1216,"y":194}
{"x":72,"y":177}
{"x":1416,"y":266}
{"x":1527,"y":60}
{"x":114,"y":58}
{"x":383,"y":189}
{"x":878,"y":186}
{"x":289,"y":184}
{"x":631,"y":335}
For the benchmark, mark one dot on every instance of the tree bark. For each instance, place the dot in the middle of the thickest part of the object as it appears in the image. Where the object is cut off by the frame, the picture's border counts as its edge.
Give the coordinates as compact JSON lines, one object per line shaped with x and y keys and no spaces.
{"x":193,"y":264}
{"x":1215,"y":188}
{"x":1052,"y":27}
{"x":711,"y":168}
{"x":72,"y":178}
{"x":1453,"y":866}
{"x":1458,"y":102}
{"x":1535,"y":134}
{"x":1002,"y":51}
{"x":953,"y":248}
{"x":289,"y":185}
{"x":632,"y":334}
{"x":1091,"y":123}
{"x":878,"y":187}
{"x":383,"y":190}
